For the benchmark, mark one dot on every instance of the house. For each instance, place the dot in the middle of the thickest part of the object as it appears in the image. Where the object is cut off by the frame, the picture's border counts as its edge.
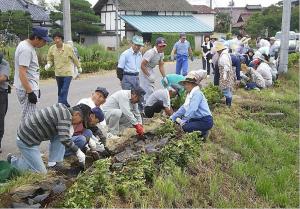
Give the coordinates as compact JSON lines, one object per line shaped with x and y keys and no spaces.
{"x":146,"y":17}
{"x":38,"y":14}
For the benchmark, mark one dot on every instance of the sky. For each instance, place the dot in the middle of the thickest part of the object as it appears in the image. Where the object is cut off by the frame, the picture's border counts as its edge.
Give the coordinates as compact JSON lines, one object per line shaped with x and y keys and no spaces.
{"x":218,"y":3}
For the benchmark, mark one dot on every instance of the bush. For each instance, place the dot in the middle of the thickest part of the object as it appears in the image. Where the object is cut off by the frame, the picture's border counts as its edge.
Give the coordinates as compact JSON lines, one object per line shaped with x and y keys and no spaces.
{"x":293,"y":59}
{"x":213,"y":94}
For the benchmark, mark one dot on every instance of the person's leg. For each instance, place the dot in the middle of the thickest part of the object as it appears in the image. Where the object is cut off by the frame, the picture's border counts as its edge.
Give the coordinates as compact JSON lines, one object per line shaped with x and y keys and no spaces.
{"x":216,"y":76}
{"x":80,"y":141}
{"x":59,"y":81}
{"x":56,"y":150}
{"x":208,"y":66}
{"x":178,"y":65}
{"x":149,"y":112}
{"x":204,"y":63}
{"x":125,"y":83}
{"x":228,"y":95}
{"x":27,"y":107}
{"x":3,"y":110}
{"x":185,"y":66}
{"x":112,"y":118}
{"x":30,"y":158}
{"x":204,"y":124}
{"x":65,"y":90}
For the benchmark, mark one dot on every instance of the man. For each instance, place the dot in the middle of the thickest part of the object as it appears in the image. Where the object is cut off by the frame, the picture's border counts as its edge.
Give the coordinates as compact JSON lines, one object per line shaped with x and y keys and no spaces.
{"x":27,"y":72}
{"x":183,"y":50}
{"x":121,"y":109}
{"x":63,"y":58}
{"x":274,"y":48}
{"x":161,"y":100}
{"x":152,"y":58}
{"x":129,"y":65}
{"x":4,"y":90}
{"x":54,"y":124}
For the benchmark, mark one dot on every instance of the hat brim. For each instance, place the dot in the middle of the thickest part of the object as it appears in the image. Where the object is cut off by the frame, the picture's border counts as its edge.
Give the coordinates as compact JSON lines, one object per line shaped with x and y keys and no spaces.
{"x":138,"y":43}
{"x":47,"y":39}
{"x":186,"y":81}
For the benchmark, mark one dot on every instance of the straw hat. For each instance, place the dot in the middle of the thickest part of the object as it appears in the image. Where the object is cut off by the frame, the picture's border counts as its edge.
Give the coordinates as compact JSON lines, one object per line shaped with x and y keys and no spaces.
{"x":189,"y":79}
{"x":219,"y":46}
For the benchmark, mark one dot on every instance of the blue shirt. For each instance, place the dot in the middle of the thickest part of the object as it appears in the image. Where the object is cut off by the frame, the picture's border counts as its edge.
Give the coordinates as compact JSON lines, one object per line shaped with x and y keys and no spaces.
{"x":198,"y":108}
{"x":182,"y":48}
{"x":236,"y":62}
{"x":130,"y":61}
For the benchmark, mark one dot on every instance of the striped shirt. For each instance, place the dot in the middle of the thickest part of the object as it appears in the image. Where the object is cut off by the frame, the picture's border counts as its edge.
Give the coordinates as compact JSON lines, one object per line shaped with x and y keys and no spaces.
{"x":47,"y":123}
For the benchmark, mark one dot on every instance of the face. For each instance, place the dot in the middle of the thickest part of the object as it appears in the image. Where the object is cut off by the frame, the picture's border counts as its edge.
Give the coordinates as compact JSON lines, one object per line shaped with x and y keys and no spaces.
{"x":136,"y":48}
{"x":160,"y":49}
{"x":93,"y":120}
{"x":182,"y":39}
{"x":38,"y":43}
{"x":76,"y":118}
{"x":250,"y":54}
{"x":98,"y":98}
{"x":206,"y":39}
{"x":188,"y":86}
{"x":134,"y":98}
{"x":58,"y":40}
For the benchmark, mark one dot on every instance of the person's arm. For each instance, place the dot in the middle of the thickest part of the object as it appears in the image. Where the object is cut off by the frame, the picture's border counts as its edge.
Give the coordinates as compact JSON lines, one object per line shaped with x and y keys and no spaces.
{"x":168,"y":111}
{"x":74,"y":58}
{"x":63,"y":131}
{"x":50,"y":57}
{"x":124,"y":104}
{"x":121,"y":66}
{"x":137,"y":113}
{"x":180,"y":112}
{"x":193,"y":106}
{"x":146,"y":58}
{"x":24,"y":79}
{"x":162,"y":68}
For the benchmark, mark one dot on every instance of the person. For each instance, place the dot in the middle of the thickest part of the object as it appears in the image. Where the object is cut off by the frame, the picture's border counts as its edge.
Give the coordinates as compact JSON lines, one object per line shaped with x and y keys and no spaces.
{"x":27,"y":72}
{"x":150,"y":59}
{"x":265,"y":71}
{"x":63,"y":58}
{"x":207,"y":45}
{"x":129,"y":65}
{"x":194,"y":114}
{"x":121,"y":110}
{"x":249,"y":56}
{"x":75,"y":69}
{"x":183,"y":50}
{"x":4,"y":90}
{"x":172,"y":79}
{"x":261,"y":42}
{"x":226,"y":81}
{"x":274,"y":48}
{"x":161,"y":100}
{"x":54,"y":124}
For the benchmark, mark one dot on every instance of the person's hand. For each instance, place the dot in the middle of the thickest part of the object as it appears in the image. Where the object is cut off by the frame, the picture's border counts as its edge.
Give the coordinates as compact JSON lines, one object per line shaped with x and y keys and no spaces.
{"x":81,"y":156}
{"x":80,"y":70}
{"x":151,"y":78}
{"x":139,"y":129}
{"x":180,"y":121}
{"x":165,"y":81}
{"x":210,"y":61}
{"x":32,"y":98}
{"x":172,"y":58}
{"x":47,"y":66}
{"x":192,"y":58}
{"x":92,"y":144}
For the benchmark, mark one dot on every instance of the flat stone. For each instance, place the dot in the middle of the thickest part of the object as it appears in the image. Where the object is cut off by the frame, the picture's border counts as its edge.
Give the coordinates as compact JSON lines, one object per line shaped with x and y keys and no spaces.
{"x":126,"y":155}
{"x":117,"y":166}
{"x":24,"y":205}
{"x":24,"y":191}
{"x":59,"y":188}
{"x":41,"y":198}
{"x":162,"y":142}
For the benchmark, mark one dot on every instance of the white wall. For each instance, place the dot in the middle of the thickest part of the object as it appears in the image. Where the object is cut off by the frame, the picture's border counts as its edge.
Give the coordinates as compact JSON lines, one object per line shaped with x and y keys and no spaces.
{"x":208,"y":19}
{"x":106,"y":41}
{"x":198,"y":42}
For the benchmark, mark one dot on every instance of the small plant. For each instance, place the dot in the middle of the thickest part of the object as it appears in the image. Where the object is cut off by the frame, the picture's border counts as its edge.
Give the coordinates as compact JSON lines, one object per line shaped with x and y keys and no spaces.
{"x":167,"y":129}
{"x":212,"y":94}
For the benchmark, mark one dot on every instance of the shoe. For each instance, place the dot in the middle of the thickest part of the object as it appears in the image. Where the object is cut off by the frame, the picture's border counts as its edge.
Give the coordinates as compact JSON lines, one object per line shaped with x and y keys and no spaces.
{"x":112,"y":136}
{"x":59,"y":167}
{"x":9,"y":157}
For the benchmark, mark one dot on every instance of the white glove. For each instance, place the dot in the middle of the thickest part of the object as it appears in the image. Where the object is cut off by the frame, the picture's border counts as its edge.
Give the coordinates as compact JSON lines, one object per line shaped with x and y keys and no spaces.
{"x":165,"y":80}
{"x":172,"y":57}
{"x":47,"y":66}
{"x":180,"y":121}
{"x":210,"y":61}
{"x":224,"y":75}
{"x":80,"y":70}
{"x":151,"y":78}
{"x":81,"y":156}
{"x":92,"y":144}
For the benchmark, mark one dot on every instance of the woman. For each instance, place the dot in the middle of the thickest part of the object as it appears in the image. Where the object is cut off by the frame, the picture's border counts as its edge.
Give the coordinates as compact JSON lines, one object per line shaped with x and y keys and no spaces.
{"x":249,"y":56}
{"x":206,"y":54}
{"x":194,"y":114}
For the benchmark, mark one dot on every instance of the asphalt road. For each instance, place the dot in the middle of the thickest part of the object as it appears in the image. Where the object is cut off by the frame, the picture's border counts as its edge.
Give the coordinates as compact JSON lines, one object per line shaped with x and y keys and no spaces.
{"x":79,"y":89}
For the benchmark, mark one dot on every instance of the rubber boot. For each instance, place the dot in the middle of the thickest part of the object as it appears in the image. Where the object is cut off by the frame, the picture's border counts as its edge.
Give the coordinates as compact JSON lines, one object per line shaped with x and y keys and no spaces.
{"x":228,"y":101}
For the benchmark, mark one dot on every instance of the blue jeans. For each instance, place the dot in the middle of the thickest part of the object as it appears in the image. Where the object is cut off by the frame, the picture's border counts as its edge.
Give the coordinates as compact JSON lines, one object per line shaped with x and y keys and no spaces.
{"x":31,"y":156}
{"x":228,"y":95}
{"x":80,"y":141}
{"x":63,"y":84}
{"x":182,"y":65}
{"x":200,"y":124}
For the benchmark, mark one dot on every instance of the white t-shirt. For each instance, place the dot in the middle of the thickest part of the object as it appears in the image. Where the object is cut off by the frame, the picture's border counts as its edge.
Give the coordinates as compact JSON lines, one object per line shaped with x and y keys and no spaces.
{"x":159,"y":95}
{"x":25,"y":55}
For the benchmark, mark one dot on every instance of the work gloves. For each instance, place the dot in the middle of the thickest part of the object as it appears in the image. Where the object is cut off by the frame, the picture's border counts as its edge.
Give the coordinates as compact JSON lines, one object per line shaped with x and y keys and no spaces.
{"x":47,"y":66}
{"x":180,"y":121}
{"x":92,"y":144}
{"x":139,"y":129}
{"x":165,"y":81}
{"x":81,"y":156}
{"x":32,"y":98}
{"x":80,"y":70}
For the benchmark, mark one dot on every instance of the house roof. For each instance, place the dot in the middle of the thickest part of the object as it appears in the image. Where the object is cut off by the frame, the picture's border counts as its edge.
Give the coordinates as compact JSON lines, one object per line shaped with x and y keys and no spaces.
{"x":166,"y":24}
{"x":37,"y":13}
{"x":149,"y":5}
{"x":203,"y":9}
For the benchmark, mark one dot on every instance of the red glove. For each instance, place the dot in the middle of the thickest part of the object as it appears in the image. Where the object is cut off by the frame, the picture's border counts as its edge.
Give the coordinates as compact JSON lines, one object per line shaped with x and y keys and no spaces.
{"x":139,"y":129}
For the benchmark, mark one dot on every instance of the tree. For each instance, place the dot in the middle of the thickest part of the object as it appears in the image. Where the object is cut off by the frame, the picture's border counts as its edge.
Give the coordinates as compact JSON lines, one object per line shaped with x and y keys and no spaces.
{"x":222,"y":22}
{"x":42,"y":3}
{"x":83,"y":19}
{"x":16,"y":22}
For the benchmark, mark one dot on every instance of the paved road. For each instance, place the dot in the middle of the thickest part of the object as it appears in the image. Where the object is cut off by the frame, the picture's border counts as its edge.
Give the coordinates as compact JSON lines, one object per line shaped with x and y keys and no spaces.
{"x":79,"y":89}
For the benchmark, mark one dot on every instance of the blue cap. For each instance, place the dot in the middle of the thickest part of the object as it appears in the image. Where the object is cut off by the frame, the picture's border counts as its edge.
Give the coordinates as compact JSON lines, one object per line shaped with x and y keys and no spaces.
{"x":98,"y":113}
{"x":138,"y":40}
{"x":103,"y":91}
{"x":41,"y":32}
{"x":160,"y":41}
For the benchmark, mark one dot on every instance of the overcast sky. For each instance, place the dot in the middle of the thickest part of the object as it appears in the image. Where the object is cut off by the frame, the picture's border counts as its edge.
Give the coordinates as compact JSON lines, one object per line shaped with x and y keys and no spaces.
{"x":218,"y":3}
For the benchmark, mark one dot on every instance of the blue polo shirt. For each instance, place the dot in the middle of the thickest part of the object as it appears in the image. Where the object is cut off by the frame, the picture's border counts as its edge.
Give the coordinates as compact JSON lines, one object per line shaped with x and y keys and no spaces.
{"x":236,"y":62}
{"x":130,"y":61}
{"x":182,"y":48}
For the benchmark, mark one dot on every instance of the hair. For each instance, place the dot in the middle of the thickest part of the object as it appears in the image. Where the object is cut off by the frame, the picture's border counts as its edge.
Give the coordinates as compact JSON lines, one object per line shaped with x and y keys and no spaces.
{"x":33,"y":36}
{"x":58,"y":34}
{"x":267,"y":58}
{"x":206,"y":36}
{"x":239,"y":35}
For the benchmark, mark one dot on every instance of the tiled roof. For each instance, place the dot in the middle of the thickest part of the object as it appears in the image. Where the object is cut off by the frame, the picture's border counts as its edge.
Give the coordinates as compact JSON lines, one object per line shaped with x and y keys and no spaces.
{"x":149,"y":5}
{"x":37,"y":13}
{"x":203,"y":9}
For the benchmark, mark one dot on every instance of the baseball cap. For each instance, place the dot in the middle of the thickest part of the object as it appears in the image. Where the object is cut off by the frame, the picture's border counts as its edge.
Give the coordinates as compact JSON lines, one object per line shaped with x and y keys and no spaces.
{"x":160,"y":41}
{"x":102,"y":90}
{"x":138,"y":40}
{"x":41,"y":32}
{"x":98,"y":113}
{"x":182,"y":35}
{"x":139,"y":91}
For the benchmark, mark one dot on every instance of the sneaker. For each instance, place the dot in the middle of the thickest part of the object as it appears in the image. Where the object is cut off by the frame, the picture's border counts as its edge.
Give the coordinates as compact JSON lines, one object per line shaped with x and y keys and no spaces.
{"x":59,"y":167}
{"x":9,"y":157}
{"x":112,"y":136}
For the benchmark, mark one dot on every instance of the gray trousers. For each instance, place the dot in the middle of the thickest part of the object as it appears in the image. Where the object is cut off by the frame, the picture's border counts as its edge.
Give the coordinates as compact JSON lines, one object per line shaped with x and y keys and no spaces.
{"x":3,"y":110}
{"x":130,"y":82}
{"x":116,"y":121}
{"x":27,"y":107}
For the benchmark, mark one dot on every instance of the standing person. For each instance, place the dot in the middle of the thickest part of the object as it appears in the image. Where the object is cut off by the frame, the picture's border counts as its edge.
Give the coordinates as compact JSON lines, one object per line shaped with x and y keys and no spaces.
{"x":27,"y":72}
{"x":152,"y":58}
{"x":62,"y":57}
{"x":183,"y":50}
{"x":206,"y":54}
{"x":226,"y":72}
{"x":129,"y":65}
{"x":4,"y":90}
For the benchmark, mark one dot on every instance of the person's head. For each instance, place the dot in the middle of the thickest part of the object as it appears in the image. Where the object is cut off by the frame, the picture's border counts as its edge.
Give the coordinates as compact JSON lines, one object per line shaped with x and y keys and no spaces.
{"x":99,"y":96}
{"x":137,"y":43}
{"x":272,"y":40}
{"x":137,"y":94}
{"x":96,"y":116}
{"x":58,"y":38}
{"x":174,"y":90}
{"x":160,"y":44}
{"x":39,"y":37}
{"x":206,"y":38}
{"x":255,"y":63}
{"x":189,"y":83}
{"x":219,"y":47}
{"x":182,"y":37}
{"x":80,"y":114}
{"x":250,"y":52}
{"x":239,"y":36}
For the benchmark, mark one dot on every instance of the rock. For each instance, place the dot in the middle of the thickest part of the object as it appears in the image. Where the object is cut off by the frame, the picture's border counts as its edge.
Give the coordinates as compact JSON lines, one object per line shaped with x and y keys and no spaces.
{"x":59,"y":188}
{"x":40,"y":198}
{"x":162,"y":142}
{"x":24,"y":205}
{"x":117,"y":166}
{"x":150,"y":148}
{"x":139,"y":145}
{"x":126,"y":155}
{"x":23,"y":192}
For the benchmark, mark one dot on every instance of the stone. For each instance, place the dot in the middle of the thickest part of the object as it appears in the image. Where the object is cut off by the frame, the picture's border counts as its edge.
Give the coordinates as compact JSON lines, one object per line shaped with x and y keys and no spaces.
{"x":59,"y":188}
{"x":23,"y":191}
{"x":117,"y":166}
{"x":162,"y":142}
{"x":24,"y":205}
{"x":40,"y":198}
{"x":126,"y":155}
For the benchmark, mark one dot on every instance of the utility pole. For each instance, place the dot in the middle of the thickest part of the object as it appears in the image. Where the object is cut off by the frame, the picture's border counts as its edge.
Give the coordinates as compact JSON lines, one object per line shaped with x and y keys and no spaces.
{"x":67,"y":20}
{"x":210,"y":4}
{"x":284,"y":39}
{"x":231,"y":3}
{"x":117,"y":24}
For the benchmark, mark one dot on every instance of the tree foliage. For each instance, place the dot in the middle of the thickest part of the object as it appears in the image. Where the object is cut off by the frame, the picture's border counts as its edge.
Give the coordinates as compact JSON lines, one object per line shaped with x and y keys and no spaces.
{"x":270,"y":20}
{"x":222,"y":22}
{"x":83,"y":18}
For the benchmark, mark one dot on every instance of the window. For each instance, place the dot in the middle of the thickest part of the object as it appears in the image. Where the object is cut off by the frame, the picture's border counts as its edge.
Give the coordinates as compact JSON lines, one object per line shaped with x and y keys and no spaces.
{"x":149,"y":13}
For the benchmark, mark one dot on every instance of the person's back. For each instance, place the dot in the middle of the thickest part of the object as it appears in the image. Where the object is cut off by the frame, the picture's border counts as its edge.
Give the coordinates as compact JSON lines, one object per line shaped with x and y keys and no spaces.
{"x":159,"y":95}
{"x":115,"y":101}
{"x":265,"y":70}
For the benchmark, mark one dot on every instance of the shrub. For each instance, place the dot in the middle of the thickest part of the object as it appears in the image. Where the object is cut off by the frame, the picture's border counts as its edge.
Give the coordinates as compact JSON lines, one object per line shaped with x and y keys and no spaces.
{"x":213,"y":94}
